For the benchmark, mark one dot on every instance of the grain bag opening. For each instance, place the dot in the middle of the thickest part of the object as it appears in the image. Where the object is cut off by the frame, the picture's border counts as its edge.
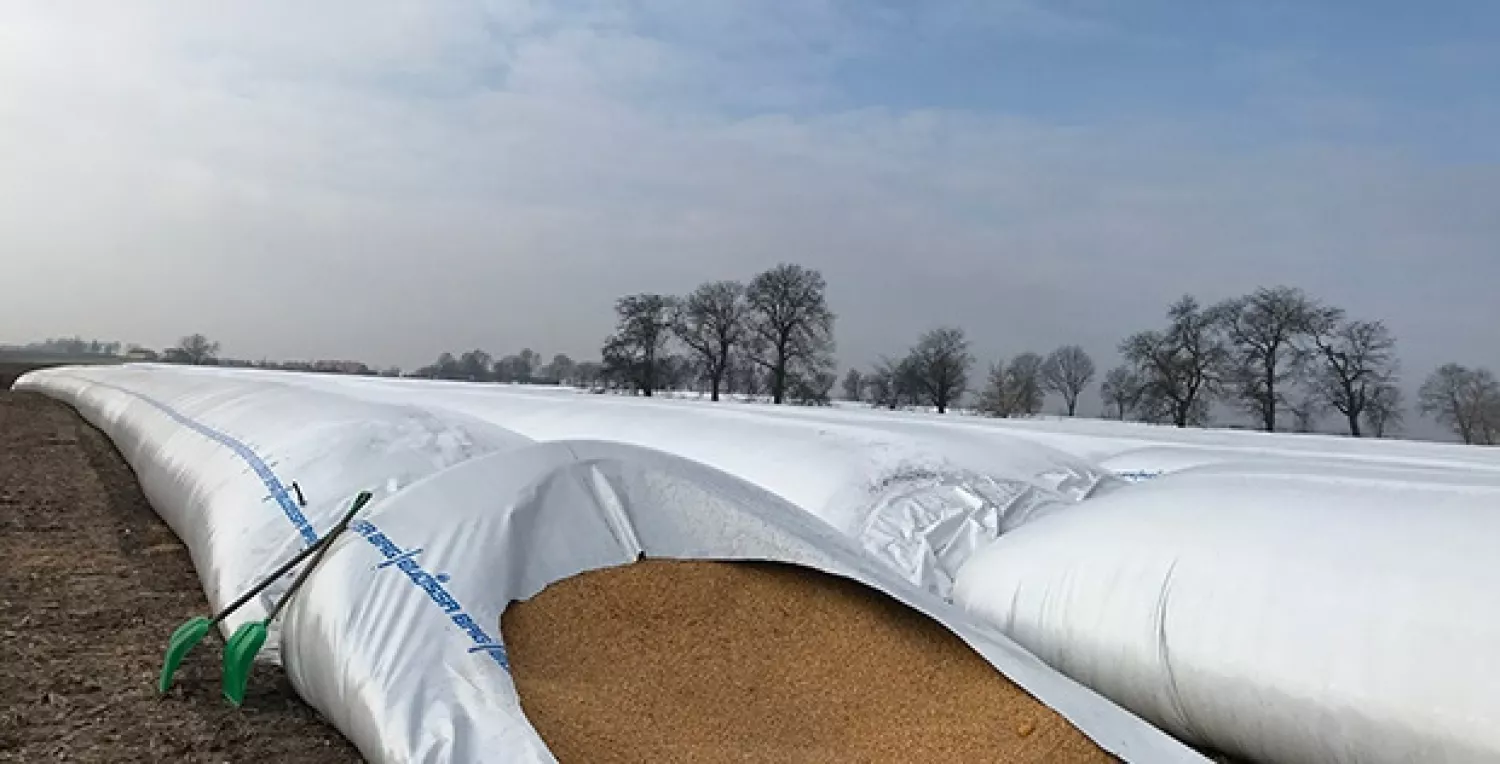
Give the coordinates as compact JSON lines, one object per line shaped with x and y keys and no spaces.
{"x":674,"y":661}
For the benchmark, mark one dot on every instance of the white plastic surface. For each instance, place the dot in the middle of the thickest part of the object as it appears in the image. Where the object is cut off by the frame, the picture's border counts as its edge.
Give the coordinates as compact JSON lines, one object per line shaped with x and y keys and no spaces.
{"x":1280,"y":611}
{"x":395,"y":637}
{"x":187,"y":441}
{"x":919,"y":495}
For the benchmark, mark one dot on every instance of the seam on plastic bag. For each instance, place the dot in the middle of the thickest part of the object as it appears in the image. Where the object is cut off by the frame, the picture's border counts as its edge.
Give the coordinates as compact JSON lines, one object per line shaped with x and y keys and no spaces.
{"x":258,"y":465}
{"x":1163,"y":652}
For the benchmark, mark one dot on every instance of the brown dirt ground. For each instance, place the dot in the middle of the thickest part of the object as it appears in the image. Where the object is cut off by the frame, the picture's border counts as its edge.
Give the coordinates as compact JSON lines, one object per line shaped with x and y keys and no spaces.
{"x":9,"y":371}
{"x":91,"y":584}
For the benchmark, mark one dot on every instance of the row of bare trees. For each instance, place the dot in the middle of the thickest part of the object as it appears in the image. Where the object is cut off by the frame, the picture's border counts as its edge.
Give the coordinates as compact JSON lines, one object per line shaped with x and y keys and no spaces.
{"x":935,"y":372}
{"x":1020,"y":387}
{"x":1278,"y":350}
{"x":1273,"y":352}
{"x":1276,"y":354}
{"x":525,"y":367}
{"x":774,"y":333}
{"x":75,"y":346}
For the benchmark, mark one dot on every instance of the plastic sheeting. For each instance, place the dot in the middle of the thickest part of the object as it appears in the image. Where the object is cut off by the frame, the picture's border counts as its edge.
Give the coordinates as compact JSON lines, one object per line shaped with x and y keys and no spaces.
{"x":1280,"y":611}
{"x":395,"y":638}
{"x":920,"y":495}
{"x":225,"y":487}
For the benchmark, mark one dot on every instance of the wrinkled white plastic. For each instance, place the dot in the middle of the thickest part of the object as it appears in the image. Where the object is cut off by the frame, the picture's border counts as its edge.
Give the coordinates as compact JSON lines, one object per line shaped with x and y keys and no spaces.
{"x":920,"y":495}
{"x":395,"y":638}
{"x":1281,"y":611}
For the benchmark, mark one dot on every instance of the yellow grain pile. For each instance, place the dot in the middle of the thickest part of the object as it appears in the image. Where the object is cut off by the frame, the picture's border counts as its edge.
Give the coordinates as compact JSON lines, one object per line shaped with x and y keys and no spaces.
{"x":666,"y":661}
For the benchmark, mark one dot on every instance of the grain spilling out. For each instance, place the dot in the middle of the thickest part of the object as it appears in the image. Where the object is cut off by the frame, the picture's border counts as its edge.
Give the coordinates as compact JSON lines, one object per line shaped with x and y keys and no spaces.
{"x":668,"y":661}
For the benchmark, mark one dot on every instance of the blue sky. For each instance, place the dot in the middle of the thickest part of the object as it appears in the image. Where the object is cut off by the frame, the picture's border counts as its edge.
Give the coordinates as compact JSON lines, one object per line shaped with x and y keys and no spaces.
{"x":1143,"y":57}
{"x":492,"y":174}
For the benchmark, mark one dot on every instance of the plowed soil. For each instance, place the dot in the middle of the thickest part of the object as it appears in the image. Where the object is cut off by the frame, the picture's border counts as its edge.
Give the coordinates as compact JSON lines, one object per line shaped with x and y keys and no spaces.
{"x":91,"y":584}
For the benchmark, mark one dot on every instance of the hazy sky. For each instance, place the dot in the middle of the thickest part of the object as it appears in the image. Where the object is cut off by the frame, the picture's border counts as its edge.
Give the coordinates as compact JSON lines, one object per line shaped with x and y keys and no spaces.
{"x":385,"y":180}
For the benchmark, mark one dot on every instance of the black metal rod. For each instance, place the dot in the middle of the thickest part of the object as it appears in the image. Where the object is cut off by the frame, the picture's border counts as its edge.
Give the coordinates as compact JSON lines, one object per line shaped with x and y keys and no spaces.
{"x":359,"y":503}
{"x":364,"y":497}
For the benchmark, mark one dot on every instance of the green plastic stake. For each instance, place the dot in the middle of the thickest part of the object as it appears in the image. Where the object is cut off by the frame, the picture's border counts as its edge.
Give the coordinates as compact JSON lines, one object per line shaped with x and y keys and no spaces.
{"x":196,"y":628}
{"x":179,"y":645}
{"x":239,"y":658}
{"x":191,"y":632}
{"x":240,"y":650}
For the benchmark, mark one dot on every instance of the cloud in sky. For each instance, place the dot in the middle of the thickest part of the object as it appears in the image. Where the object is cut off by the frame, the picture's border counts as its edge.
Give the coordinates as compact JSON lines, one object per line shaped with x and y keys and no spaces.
{"x":388,"y":179}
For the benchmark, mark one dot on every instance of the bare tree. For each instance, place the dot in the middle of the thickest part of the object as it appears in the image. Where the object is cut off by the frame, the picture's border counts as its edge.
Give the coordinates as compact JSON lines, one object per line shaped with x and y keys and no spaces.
{"x":445,"y":367}
{"x":519,"y":368}
{"x":516,"y":368}
{"x":811,"y":385}
{"x":1068,"y":372}
{"x":854,"y":386}
{"x":528,"y":361}
{"x":891,"y":383}
{"x":1122,"y":389}
{"x":1445,"y":397}
{"x":880,"y":384}
{"x":1383,"y":410}
{"x":632,"y":354}
{"x":1354,"y":360}
{"x":507,"y":369}
{"x":711,"y":322}
{"x":1306,"y":409}
{"x":745,"y":377}
{"x":675,"y":371}
{"x":790,"y":323}
{"x":1015,"y":388}
{"x":474,"y":365}
{"x":1179,"y":367}
{"x":588,"y":374}
{"x":196,"y":349}
{"x":1265,"y":332}
{"x":1023,"y":384}
{"x":908,"y":386}
{"x":939,"y":366}
{"x":1466,"y":400}
{"x":993,"y":399}
{"x":561,"y":369}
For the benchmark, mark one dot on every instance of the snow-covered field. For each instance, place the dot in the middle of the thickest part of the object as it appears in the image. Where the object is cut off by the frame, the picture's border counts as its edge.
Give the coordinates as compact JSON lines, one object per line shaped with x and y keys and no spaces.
{"x":1285,"y":598}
